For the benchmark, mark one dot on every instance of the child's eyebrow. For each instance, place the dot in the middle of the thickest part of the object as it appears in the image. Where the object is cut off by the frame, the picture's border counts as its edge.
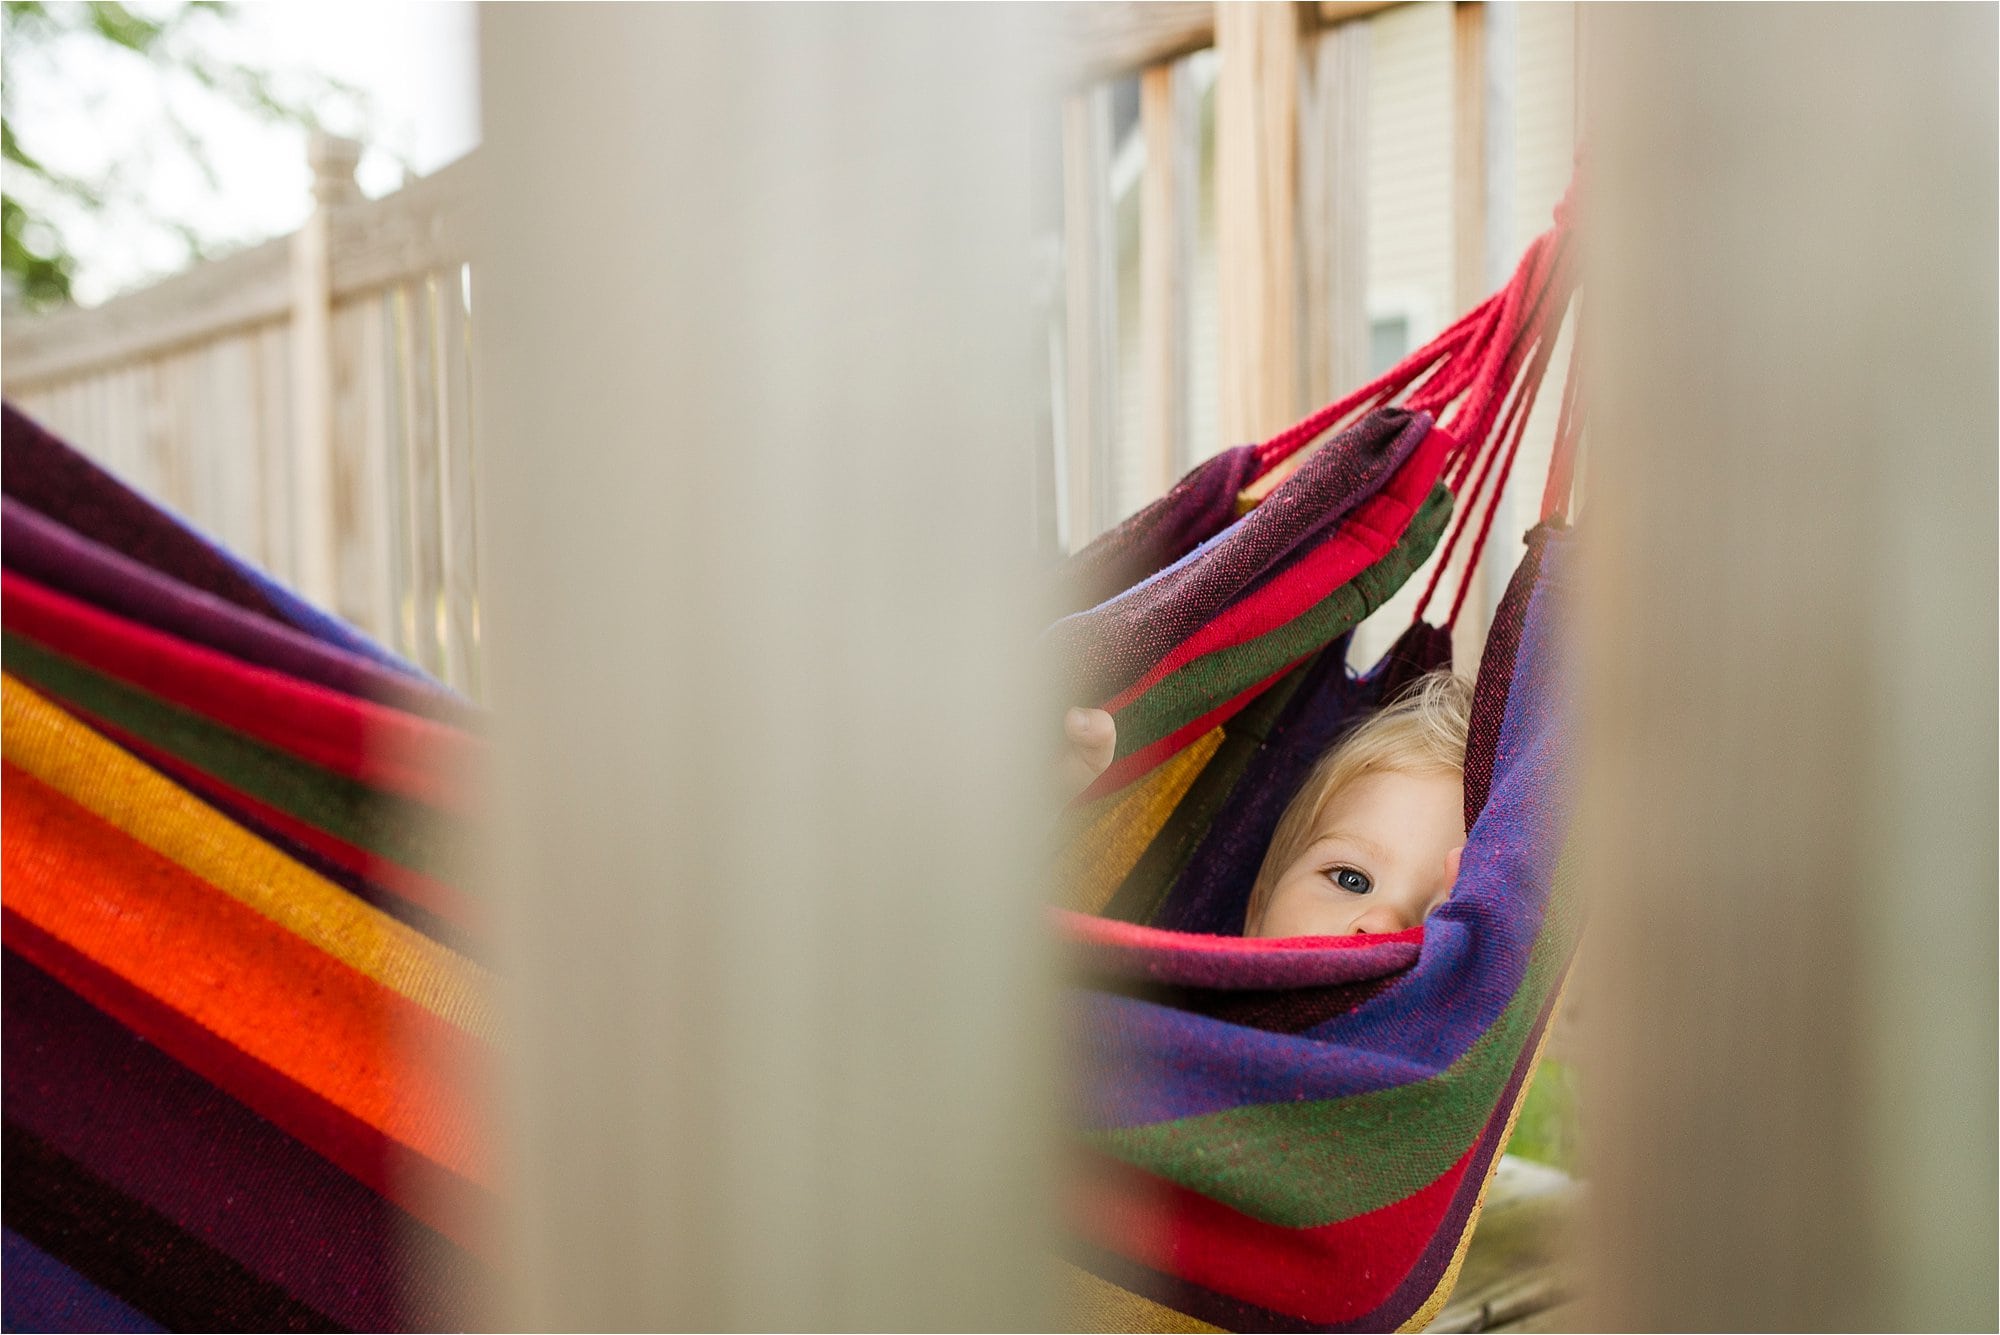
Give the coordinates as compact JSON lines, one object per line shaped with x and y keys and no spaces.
{"x":1360,"y":841}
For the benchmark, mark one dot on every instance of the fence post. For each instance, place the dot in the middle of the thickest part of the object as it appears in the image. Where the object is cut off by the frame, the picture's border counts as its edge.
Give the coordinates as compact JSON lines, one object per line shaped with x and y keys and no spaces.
{"x":1788,"y":816}
{"x":1469,"y":154}
{"x":757,"y":613}
{"x":1090,"y":278}
{"x":1478,"y":175}
{"x":1333,"y":209}
{"x":333,"y":160}
{"x":1257,"y":189}
{"x":1170,"y":120}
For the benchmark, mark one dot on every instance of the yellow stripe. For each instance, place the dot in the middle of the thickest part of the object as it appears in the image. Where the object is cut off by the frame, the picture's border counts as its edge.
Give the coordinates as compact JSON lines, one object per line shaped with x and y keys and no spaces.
{"x":1442,"y":1293}
{"x":1090,"y":1303}
{"x":43,"y":740}
{"x":1119,"y":828}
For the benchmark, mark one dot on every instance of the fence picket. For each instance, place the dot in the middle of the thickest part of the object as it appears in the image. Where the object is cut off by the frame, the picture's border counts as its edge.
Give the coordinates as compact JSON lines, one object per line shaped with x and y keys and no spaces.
{"x":460,"y":546}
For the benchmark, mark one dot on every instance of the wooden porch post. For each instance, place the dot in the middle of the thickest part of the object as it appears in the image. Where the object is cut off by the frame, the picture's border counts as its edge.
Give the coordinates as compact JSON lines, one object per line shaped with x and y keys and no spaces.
{"x":1257,"y":192}
{"x":315,"y":554}
{"x":1169,"y":118}
{"x":1090,"y":286}
{"x":1790,"y":810}
{"x":1333,"y":210}
{"x":753,"y":400}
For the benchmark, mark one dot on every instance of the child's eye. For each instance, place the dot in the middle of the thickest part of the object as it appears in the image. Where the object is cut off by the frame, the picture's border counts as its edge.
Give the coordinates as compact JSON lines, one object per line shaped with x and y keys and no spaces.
{"x":1352,"y":881}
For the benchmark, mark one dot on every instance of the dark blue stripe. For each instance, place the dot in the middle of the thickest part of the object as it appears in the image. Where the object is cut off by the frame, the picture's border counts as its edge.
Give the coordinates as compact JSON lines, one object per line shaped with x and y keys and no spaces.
{"x":38,"y":1292}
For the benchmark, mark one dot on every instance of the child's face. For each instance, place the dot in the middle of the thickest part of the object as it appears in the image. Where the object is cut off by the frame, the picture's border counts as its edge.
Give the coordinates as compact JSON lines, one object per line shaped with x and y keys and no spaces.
{"x":1383,"y":853}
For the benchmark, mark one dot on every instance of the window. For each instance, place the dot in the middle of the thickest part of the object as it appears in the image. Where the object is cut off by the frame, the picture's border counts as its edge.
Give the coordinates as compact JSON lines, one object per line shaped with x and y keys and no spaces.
{"x":1388,"y":342}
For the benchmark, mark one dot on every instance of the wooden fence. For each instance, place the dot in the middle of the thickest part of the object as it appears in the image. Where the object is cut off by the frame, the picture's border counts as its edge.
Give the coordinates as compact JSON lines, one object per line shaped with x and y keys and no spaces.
{"x":306,"y":402}
{"x":1255,"y":259}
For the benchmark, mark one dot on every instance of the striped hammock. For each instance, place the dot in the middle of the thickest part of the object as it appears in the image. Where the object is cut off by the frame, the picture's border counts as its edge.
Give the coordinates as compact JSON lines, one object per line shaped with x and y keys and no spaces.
{"x":1297,"y":1134}
{"x":243,"y":1005}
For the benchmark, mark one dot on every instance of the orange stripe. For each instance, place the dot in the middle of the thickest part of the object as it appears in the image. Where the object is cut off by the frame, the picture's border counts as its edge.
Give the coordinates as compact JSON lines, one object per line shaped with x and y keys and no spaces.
{"x":42,"y":739}
{"x":235,"y":972}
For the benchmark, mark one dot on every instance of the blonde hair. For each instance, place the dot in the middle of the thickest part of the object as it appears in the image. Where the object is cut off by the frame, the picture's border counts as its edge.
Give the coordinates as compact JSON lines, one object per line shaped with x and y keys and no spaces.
{"x":1422,"y":731}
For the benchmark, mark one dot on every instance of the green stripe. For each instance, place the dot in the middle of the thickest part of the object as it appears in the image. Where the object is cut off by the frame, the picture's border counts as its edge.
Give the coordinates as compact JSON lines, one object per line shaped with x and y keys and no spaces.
{"x":407,"y":833}
{"x":1192,"y":690}
{"x":1309,"y":1164}
{"x":1144,"y":889}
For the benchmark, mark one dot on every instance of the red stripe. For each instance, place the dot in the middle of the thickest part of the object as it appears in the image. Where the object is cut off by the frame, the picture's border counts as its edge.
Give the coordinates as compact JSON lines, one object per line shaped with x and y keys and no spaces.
{"x":1360,"y":541}
{"x":382,"y":747}
{"x":1324,"y":1275}
{"x":433,"y":1193}
{"x":263,"y":987}
{"x":1088,"y":930}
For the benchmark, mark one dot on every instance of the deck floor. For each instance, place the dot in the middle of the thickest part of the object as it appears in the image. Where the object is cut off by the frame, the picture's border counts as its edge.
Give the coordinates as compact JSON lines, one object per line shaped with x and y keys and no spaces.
{"x":1517,"y":1275}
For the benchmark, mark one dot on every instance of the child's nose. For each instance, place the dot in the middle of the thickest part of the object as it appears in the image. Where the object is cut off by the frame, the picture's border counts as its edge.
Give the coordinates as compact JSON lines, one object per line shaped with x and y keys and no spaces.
{"x":1381,"y":919}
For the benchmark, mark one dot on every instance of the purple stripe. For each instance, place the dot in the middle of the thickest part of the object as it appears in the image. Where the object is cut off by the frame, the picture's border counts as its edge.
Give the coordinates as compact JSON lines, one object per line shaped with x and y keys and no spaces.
{"x":49,"y":476}
{"x":1160,"y":576}
{"x":1150,"y":1064}
{"x":1204,"y":1304}
{"x":325,"y":626}
{"x":43,"y":549}
{"x":1108,"y":647}
{"x":1213,"y":890}
{"x":41,"y":1293}
{"x":1145,"y":1063}
{"x":160,"y":1134}
{"x":1200,"y":505}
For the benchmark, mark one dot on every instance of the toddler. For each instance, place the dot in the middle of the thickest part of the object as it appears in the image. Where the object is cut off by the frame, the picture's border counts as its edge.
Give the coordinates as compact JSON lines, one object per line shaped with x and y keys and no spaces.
{"x":1372,"y":841}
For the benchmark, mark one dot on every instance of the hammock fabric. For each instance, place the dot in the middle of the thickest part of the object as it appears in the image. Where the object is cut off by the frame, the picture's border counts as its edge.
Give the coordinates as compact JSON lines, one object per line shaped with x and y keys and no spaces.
{"x":1297,"y":1134}
{"x":241,"y":1014}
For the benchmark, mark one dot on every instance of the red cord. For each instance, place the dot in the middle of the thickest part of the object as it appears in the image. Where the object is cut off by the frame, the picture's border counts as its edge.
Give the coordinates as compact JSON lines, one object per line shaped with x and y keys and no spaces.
{"x":1536,"y":341}
{"x":1488,"y":381}
{"x":1526,"y":405}
{"x":1473,"y":363}
{"x":1453,"y":377}
{"x":1479,"y":463}
{"x":1444,"y":348}
{"x":1545,"y":272}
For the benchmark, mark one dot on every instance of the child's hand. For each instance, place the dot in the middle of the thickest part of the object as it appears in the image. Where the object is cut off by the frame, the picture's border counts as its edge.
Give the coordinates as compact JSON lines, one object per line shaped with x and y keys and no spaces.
{"x":1093,"y":740}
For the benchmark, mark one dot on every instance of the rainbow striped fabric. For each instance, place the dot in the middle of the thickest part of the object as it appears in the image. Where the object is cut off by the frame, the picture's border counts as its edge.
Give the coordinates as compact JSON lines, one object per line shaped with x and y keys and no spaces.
{"x":1296,"y":1135}
{"x":243,"y":1009}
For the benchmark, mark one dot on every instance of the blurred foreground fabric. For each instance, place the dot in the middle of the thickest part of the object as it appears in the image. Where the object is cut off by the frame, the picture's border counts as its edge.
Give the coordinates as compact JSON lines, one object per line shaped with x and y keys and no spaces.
{"x":244,"y":1017}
